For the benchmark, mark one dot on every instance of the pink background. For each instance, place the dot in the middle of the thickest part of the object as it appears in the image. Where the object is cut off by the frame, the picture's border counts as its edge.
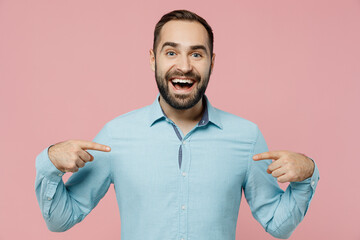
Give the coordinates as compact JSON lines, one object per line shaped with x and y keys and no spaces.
{"x":292,"y":67}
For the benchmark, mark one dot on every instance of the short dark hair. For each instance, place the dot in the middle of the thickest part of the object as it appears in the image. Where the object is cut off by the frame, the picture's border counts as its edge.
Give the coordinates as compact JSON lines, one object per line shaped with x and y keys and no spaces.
{"x":186,"y":16}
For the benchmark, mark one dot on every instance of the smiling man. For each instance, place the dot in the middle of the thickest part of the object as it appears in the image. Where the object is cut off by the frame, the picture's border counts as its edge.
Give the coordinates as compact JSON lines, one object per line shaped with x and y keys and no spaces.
{"x":183,"y":63}
{"x":179,"y":165}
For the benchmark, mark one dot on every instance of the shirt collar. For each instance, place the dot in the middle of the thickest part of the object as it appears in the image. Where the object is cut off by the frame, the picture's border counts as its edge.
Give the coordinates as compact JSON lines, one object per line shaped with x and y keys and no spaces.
{"x":210,"y":115}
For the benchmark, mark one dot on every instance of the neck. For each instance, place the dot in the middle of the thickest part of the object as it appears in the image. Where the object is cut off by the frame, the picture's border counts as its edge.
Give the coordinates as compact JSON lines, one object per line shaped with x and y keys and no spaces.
{"x":183,"y":116}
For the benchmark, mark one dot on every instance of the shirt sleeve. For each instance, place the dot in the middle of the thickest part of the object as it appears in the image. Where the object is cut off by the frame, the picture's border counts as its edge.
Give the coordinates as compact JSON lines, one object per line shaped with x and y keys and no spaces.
{"x":277,"y":211}
{"x":64,"y":205}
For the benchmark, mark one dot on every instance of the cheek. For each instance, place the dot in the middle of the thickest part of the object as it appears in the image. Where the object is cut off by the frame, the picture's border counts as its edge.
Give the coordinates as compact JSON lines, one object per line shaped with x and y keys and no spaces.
{"x":204,"y":71}
{"x":162,"y":67}
{"x":202,"y":67}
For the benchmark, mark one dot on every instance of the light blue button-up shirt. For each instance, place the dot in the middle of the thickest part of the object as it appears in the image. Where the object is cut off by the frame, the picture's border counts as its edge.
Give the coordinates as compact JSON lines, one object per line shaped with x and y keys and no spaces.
{"x":173,"y":187}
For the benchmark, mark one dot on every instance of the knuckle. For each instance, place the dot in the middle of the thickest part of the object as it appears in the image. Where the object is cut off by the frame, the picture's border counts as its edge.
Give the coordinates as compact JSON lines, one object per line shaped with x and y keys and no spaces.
{"x":292,"y":175}
{"x":74,"y":144}
{"x":283,"y":179}
{"x":285,"y":152}
{"x":71,"y":165}
{"x":78,"y":152}
{"x":71,"y":142}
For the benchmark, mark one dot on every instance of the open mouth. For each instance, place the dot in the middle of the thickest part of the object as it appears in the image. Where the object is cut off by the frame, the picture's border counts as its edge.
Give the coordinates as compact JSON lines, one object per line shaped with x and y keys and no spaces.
{"x":182,"y":83}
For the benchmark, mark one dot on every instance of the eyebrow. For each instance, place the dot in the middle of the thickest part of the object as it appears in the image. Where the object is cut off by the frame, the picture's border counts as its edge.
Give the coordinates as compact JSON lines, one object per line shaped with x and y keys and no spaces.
{"x":175,"y":45}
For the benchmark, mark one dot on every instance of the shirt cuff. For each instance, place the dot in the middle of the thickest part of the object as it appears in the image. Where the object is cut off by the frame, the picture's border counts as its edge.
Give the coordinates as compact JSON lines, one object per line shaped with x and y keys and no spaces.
{"x":312,"y":181}
{"x":45,"y":167}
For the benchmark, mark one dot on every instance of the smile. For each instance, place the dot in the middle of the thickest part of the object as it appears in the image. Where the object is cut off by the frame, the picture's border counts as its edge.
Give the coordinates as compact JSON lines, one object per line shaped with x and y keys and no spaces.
{"x":182,"y":84}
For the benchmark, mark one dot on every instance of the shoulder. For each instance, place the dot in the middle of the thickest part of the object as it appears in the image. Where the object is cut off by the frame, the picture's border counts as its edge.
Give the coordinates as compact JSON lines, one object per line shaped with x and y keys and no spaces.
{"x":238,"y":125}
{"x":134,"y":119}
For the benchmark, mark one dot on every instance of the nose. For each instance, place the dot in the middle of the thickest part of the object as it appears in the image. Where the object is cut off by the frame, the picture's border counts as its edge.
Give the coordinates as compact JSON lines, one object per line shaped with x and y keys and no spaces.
{"x":184,"y":64}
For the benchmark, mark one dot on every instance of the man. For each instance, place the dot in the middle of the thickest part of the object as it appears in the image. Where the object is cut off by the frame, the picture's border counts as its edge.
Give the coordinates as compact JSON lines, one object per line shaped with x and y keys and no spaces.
{"x":179,"y":165}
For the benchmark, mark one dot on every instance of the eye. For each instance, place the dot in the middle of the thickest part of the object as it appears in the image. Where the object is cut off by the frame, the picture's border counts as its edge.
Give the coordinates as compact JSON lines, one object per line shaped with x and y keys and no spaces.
{"x":197,"y":55}
{"x":170,"y":53}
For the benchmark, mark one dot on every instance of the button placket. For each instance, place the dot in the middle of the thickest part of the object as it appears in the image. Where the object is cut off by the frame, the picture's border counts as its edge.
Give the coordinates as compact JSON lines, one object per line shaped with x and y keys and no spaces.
{"x":184,"y":188}
{"x":184,"y":164}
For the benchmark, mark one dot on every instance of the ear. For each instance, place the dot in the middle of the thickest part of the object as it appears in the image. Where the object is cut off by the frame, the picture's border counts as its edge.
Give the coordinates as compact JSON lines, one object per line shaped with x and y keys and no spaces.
{"x":152,"y":60}
{"x":212,"y":62}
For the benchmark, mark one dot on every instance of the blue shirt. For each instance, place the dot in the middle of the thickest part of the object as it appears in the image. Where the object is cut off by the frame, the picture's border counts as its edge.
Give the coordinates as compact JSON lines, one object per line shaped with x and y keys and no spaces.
{"x":174,"y":187}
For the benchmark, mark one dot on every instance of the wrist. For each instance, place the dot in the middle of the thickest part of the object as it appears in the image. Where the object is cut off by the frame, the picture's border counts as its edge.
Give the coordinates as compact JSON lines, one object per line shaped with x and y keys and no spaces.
{"x":51,"y":158}
{"x":312,"y":167}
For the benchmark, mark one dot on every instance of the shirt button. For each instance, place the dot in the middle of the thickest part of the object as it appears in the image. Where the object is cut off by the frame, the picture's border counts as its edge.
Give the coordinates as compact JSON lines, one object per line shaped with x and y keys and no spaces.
{"x":312,"y":183}
{"x":184,"y":142}
{"x":49,"y":198}
{"x":184,"y":174}
{"x":183,"y":207}
{"x":182,"y":239}
{"x":60,"y":174}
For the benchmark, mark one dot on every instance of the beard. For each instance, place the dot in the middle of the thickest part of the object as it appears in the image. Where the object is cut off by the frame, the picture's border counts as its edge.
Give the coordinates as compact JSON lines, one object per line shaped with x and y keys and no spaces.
{"x":182,"y":101}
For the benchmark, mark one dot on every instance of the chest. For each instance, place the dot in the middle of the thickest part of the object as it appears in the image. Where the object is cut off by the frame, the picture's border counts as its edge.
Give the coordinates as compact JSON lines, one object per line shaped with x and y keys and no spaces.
{"x":150,"y":164}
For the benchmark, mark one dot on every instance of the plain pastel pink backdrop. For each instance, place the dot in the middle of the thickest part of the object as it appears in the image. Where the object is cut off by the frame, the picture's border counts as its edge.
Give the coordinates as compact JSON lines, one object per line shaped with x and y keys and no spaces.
{"x":292,"y":67}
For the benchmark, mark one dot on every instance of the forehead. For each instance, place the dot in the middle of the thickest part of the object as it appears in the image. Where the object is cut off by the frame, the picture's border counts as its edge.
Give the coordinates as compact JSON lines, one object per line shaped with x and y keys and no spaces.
{"x":186,"y":33}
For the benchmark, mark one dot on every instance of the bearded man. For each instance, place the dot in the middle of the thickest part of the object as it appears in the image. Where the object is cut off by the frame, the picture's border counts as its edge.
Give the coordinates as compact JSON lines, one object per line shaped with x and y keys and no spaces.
{"x":179,"y":165}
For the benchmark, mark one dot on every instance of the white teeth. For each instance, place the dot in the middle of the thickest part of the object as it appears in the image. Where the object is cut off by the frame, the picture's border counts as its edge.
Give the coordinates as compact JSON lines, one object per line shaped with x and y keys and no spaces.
{"x":176,"y":80}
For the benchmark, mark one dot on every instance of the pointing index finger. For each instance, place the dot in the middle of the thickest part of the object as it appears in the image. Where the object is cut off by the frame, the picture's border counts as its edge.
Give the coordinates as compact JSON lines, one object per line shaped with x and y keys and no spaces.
{"x":86,"y":145}
{"x":275,"y":155}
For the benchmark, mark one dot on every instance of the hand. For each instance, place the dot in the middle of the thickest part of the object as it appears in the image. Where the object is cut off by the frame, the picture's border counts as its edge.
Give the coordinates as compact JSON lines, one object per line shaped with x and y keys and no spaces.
{"x":71,"y":155}
{"x":288,"y":166}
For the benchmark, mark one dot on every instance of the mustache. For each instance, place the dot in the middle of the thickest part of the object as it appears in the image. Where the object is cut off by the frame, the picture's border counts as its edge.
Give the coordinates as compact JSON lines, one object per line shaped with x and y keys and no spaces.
{"x":177,"y":73}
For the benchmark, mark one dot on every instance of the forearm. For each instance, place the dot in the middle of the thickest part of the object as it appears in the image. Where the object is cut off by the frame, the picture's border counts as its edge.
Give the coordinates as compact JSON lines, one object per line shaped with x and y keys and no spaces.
{"x":292,"y":206}
{"x":56,"y":203}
